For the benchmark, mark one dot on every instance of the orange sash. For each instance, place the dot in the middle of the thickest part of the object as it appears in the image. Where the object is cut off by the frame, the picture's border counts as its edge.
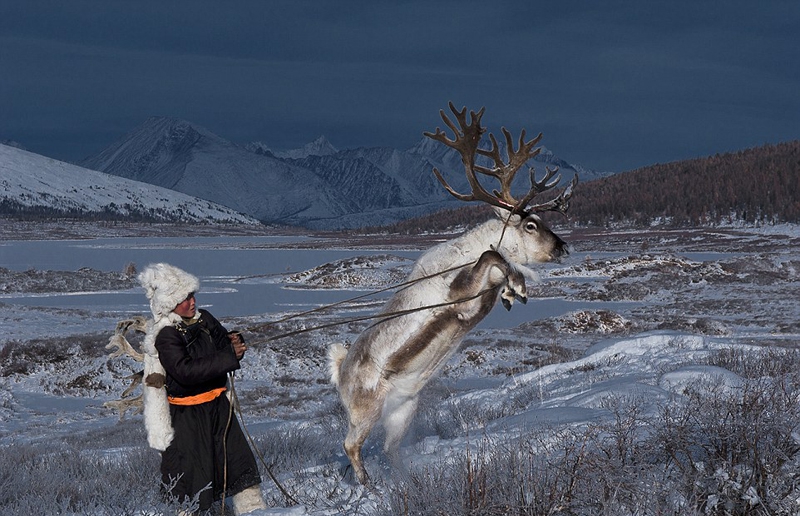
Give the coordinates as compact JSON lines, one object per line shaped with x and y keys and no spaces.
{"x":197,"y":399}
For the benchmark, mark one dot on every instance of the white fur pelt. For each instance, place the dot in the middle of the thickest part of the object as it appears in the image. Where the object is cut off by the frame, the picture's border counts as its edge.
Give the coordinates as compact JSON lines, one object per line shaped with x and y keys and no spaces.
{"x":165,"y":286}
{"x":157,"y":421}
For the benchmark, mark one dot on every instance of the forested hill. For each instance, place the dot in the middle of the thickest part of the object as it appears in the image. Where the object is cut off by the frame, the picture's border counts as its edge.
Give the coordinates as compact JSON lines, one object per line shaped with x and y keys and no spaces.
{"x":761,"y":184}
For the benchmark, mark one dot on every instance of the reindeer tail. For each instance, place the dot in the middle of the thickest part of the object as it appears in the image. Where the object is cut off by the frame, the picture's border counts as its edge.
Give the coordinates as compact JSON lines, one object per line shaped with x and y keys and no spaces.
{"x":336,"y":354}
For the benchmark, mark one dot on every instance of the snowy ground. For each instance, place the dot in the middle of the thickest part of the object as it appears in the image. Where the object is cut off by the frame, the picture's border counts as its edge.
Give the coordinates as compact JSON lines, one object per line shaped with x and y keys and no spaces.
{"x":648,"y":309}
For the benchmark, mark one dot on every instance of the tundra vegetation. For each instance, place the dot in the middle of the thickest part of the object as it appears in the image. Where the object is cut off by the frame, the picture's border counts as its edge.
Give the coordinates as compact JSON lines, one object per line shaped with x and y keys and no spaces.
{"x":672,"y":388}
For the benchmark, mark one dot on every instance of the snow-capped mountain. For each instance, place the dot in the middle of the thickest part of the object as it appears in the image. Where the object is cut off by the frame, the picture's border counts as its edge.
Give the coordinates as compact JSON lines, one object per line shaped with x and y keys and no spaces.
{"x":175,"y":154}
{"x":12,"y":143}
{"x":31,"y":182}
{"x":315,"y":186}
{"x":319,"y":147}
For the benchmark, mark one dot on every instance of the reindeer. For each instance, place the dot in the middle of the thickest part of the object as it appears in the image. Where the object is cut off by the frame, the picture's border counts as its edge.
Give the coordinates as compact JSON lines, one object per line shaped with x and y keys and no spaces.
{"x":380,"y":376}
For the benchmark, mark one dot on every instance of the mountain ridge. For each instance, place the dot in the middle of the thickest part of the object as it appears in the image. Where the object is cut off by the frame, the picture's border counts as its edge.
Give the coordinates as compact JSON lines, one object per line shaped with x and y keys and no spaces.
{"x":188,"y":158}
{"x":35,"y":185}
{"x":316,"y":186}
{"x":755,"y":186}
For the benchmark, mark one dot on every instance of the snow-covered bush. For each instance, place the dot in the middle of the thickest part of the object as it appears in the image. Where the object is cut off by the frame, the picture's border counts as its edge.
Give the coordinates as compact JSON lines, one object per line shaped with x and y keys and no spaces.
{"x":718,"y":448}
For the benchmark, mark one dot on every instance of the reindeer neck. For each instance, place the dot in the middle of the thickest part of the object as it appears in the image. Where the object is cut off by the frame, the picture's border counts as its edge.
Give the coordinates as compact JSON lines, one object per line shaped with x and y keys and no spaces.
{"x":461,"y":250}
{"x":484,"y":236}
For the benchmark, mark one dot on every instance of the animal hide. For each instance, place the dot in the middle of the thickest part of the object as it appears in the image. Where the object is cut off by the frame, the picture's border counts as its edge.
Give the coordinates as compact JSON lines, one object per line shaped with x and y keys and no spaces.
{"x":165,"y":286}
{"x":157,"y":421}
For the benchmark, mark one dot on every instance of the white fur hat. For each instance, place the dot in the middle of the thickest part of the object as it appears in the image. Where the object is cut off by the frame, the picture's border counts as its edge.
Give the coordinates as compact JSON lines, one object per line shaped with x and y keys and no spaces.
{"x":166,"y":286}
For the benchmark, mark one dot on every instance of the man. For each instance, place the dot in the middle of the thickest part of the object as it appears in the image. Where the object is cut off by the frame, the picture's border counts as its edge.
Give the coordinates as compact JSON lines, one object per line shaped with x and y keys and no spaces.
{"x":189,"y":354}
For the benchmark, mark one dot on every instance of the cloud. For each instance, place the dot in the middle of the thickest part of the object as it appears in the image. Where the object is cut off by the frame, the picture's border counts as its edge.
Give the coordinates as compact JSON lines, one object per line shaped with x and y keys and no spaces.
{"x":612,"y":85}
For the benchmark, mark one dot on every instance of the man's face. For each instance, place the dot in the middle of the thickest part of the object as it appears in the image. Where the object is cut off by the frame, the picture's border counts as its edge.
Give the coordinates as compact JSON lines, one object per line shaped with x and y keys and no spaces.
{"x":187,"y":307}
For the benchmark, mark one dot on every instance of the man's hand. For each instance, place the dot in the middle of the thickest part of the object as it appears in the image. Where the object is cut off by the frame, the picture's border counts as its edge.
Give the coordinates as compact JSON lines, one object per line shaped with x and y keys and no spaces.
{"x":237,"y":341}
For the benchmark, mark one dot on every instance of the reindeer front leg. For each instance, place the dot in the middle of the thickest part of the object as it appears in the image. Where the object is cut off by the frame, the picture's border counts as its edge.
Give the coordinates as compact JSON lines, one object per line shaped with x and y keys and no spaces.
{"x":514,"y":288}
{"x":490,"y":272}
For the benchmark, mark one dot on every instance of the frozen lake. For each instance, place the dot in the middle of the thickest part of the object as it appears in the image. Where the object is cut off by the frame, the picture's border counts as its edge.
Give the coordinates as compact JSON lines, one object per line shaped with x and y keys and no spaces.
{"x":222,"y":264}
{"x":234,"y":272}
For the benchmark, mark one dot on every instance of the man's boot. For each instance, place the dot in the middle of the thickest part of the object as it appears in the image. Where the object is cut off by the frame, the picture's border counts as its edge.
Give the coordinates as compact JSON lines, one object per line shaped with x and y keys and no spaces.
{"x":248,"y":500}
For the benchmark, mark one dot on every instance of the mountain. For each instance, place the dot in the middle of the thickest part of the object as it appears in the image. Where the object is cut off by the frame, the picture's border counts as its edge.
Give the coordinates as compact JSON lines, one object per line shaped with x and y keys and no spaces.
{"x":319,"y":147}
{"x":33,"y":184}
{"x":760,"y":185}
{"x":12,"y":143}
{"x":316,"y":186}
{"x":175,"y":154}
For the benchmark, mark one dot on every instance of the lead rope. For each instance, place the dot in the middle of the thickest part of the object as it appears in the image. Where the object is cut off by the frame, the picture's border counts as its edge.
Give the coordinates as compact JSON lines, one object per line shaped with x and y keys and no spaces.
{"x":399,"y":313}
{"x":225,"y":452}
{"x":357,"y":319}
{"x":234,"y":405}
{"x":371,"y":293}
{"x":235,"y":401}
{"x":507,"y":222}
{"x":383,"y":316}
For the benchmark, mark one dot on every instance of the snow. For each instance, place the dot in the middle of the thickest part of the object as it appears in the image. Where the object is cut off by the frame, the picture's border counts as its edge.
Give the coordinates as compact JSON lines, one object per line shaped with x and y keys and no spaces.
{"x":680,"y":380}
{"x":550,"y":372}
{"x":319,"y":147}
{"x":33,"y":180}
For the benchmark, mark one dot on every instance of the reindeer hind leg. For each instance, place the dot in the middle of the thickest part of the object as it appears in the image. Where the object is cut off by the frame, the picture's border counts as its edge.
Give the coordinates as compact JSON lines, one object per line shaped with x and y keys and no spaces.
{"x":396,"y":421}
{"x":361,"y":421}
{"x":352,"y":447}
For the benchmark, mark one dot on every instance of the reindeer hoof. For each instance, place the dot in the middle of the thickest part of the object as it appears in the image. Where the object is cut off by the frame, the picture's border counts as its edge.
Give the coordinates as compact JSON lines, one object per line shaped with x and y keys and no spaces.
{"x":506,"y":303}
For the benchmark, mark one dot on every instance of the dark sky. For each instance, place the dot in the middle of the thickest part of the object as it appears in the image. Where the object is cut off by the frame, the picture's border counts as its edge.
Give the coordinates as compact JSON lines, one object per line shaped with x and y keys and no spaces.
{"x":612,"y":85}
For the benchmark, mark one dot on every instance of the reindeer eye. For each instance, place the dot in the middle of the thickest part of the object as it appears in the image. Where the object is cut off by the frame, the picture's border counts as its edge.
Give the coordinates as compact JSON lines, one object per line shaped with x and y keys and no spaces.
{"x":531,"y":226}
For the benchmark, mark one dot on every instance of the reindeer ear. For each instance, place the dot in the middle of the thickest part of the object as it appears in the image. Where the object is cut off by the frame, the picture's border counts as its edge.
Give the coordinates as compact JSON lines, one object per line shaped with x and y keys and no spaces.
{"x":503,"y":214}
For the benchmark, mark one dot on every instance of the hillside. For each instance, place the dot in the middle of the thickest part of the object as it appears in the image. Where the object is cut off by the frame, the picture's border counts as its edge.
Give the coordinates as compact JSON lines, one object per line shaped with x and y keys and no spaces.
{"x":761,"y":184}
{"x":36,"y":187}
{"x":758,"y":185}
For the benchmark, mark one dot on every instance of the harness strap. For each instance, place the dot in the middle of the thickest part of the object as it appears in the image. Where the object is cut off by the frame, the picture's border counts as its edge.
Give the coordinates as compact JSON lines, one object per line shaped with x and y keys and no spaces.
{"x":197,"y":399}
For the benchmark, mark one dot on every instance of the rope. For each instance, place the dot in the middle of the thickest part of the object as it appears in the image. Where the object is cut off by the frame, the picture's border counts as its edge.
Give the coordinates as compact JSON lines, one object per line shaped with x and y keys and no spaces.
{"x":362,"y":296}
{"x":235,"y":401}
{"x":505,"y":225}
{"x":371,"y":293}
{"x":385,"y":316}
{"x":364,"y":318}
{"x":225,"y":453}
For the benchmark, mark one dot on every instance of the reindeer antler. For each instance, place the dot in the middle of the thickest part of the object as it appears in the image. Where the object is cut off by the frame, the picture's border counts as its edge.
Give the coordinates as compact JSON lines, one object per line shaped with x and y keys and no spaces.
{"x":466,"y":141}
{"x":124,"y":404}
{"x":124,"y":347}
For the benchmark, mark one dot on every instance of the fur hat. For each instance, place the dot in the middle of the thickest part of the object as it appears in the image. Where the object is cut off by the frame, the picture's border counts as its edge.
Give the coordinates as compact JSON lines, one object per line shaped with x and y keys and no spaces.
{"x":166,"y":286}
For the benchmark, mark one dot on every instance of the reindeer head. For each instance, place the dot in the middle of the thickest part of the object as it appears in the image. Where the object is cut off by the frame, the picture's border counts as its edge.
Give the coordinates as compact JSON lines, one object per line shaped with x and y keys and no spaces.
{"x":529,"y":240}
